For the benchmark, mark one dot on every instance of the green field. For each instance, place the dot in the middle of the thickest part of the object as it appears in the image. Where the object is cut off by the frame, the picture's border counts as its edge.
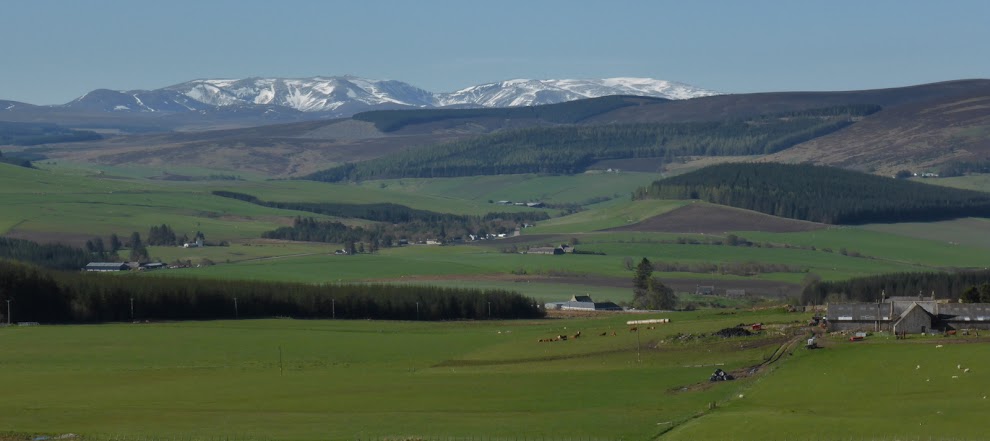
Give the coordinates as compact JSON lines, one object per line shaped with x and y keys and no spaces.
{"x":330,"y":380}
{"x":910,"y":391}
{"x":70,"y":205}
{"x":469,"y":380}
{"x":577,"y":189}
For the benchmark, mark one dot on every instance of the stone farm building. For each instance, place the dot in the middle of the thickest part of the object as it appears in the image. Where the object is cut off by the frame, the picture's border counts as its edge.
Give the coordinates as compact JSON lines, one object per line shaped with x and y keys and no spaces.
{"x":910,"y":315}
{"x":106,"y":266}
{"x":583,"y":303}
{"x":545,"y":250}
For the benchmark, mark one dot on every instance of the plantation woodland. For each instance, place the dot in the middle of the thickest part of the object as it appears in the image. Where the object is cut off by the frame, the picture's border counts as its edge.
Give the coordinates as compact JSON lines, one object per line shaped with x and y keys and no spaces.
{"x":572,"y":149}
{"x":943,"y":285}
{"x":62,"y":297}
{"x":563,"y":113}
{"x":29,"y":134}
{"x":820,"y":194}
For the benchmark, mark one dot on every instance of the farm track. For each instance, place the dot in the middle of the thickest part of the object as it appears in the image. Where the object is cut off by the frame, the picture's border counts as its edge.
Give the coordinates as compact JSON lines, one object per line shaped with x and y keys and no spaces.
{"x":786,"y":347}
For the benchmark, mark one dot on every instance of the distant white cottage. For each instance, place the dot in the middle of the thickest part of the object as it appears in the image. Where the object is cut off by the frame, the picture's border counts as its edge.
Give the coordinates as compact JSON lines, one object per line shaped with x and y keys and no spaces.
{"x":197,"y":244}
{"x":583,"y":303}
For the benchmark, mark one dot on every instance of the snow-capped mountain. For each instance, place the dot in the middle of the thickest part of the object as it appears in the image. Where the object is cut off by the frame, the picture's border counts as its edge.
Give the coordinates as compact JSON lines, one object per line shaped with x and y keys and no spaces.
{"x":347,"y":95}
{"x":318,"y":94}
{"x":535,"y":92}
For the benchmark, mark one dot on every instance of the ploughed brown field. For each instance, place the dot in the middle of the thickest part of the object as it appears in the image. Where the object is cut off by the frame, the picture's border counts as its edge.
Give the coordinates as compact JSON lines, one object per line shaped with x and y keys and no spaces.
{"x":712,"y":219}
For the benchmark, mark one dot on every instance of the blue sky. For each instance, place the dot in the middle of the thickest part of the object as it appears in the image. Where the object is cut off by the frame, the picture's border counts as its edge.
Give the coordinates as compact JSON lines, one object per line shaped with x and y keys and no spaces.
{"x":54,"y":51}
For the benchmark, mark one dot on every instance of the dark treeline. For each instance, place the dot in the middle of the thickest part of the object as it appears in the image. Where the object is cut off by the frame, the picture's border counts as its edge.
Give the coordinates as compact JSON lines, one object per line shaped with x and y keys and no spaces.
{"x":562,"y":113}
{"x":820,"y":194}
{"x":571,"y":149}
{"x":869,"y":289}
{"x":15,"y":161}
{"x":61,"y":297}
{"x":26,"y":134}
{"x":55,"y":256}
{"x":398,"y":222}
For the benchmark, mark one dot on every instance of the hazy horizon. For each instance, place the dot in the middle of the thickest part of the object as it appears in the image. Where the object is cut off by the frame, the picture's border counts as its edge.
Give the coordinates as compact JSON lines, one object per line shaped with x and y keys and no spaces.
{"x":730,"y":47}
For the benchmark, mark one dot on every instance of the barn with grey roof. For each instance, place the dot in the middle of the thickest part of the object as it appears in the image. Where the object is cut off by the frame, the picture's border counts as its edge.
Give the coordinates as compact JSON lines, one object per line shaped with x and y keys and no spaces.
{"x":583,"y":303}
{"x":911,"y":315}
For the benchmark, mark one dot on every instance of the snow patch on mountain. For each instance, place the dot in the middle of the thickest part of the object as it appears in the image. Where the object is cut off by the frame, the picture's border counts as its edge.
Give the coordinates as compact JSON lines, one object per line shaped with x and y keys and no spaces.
{"x":346,"y":95}
{"x":525,"y":92}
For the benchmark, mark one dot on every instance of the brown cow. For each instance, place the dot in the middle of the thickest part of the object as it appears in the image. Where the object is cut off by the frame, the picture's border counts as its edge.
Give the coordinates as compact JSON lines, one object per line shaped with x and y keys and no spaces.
{"x":633,"y":329}
{"x":603,"y":334}
{"x":613,"y":333}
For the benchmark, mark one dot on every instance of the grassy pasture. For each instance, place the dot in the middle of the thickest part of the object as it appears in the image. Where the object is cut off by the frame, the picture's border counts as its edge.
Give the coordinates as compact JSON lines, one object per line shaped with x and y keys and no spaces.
{"x":979,"y":182}
{"x":310,"y":191}
{"x":71,"y":207}
{"x":365,"y":379}
{"x":316,"y":264}
{"x":44,"y":202}
{"x":248,"y":250}
{"x":876,"y":390}
{"x":521,"y":188}
{"x":898,"y":243}
{"x":614,"y":213}
{"x":964,"y":236}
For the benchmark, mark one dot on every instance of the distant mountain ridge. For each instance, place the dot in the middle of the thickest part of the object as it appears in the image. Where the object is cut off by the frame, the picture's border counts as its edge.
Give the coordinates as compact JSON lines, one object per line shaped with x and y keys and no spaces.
{"x":346,"y":95}
{"x":939,"y":127}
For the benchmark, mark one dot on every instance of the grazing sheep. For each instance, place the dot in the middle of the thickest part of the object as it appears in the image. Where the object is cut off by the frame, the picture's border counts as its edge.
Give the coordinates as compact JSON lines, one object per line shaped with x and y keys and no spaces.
{"x":938,"y":346}
{"x":966,"y":371}
{"x":918,"y":367}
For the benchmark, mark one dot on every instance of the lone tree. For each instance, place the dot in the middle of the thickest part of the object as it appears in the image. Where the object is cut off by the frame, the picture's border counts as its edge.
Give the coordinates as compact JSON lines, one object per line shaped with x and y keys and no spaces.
{"x":971,"y":295}
{"x":643,"y":272}
{"x":655,"y":296}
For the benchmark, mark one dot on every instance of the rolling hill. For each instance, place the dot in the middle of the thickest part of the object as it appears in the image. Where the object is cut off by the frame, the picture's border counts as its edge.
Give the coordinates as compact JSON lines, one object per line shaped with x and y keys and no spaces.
{"x":932,"y":127}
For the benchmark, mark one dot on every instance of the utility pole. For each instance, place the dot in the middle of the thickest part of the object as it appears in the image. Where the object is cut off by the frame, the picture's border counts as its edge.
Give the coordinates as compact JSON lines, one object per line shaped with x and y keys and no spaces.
{"x":8,"y":311}
{"x":417,"y":310}
{"x":132,"y":309}
{"x":333,"y":308}
{"x":236,"y":313}
{"x":489,"y":309}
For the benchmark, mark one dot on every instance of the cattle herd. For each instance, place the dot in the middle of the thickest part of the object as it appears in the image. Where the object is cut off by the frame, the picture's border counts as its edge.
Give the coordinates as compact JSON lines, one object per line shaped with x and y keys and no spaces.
{"x":564,"y":337}
{"x":561,"y":337}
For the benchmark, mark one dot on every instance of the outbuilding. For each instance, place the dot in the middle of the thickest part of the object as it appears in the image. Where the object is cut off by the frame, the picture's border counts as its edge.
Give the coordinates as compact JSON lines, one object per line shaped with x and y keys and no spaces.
{"x":583,"y":303}
{"x":106,"y":266}
{"x":911,"y":315}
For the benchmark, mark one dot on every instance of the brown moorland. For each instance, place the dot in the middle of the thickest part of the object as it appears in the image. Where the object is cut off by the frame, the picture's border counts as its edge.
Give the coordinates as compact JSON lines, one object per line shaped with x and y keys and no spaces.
{"x":702,"y":218}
